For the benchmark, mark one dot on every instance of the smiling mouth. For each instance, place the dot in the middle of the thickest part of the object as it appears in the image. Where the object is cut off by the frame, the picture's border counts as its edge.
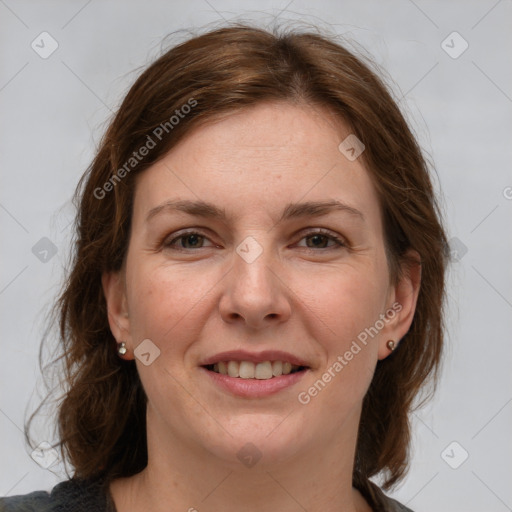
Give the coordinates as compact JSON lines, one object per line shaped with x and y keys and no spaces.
{"x":265,"y":370}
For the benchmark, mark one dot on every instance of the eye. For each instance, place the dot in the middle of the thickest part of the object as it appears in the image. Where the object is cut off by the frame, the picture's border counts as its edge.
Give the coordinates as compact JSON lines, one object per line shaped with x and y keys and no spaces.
{"x":191,"y":238}
{"x":194,"y":240}
{"x":320,"y":236}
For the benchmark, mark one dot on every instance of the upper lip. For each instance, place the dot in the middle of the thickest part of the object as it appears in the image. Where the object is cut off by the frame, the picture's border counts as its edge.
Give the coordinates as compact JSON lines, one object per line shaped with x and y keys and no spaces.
{"x":259,"y":357}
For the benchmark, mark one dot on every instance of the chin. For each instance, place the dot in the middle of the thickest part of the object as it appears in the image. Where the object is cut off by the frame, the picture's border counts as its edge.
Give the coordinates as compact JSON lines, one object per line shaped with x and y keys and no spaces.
{"x":259,"y":441}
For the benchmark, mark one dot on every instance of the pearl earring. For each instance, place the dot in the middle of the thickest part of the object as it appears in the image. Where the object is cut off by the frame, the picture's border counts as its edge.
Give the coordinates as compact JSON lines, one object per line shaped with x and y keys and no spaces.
{"x":121,"y":348}
{"x":391,"y":345}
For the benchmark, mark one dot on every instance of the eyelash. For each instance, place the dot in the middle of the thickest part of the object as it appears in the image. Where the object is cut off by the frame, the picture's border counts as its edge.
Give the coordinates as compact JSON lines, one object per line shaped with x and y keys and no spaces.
{"x":328,"y":234}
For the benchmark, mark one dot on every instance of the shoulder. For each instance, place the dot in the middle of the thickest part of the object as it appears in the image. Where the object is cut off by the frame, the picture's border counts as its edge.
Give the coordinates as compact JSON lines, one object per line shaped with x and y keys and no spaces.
{"x":395,"y":506}
{"x":378,"y":500}
{"x":386,"y":504}
{"x":70,"y":495}
{"x":37,"y":500}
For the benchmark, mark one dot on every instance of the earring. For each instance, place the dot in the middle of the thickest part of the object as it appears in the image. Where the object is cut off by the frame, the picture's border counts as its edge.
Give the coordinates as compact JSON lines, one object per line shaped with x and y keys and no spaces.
{"x":391,"y":345}
{"x":121,"y":348}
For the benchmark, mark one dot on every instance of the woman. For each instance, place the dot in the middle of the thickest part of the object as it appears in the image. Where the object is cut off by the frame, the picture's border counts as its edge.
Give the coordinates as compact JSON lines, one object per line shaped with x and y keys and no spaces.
{"x":256,"y":296}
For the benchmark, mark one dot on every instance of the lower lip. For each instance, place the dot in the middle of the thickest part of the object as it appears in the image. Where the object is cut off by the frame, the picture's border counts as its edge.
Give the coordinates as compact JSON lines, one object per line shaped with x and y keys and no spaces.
{"x":254,"y":388}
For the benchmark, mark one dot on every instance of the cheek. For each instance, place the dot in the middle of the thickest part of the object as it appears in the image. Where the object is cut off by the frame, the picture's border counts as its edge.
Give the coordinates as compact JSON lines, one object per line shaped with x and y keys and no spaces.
{"x":343,"y":305}
{"x":344,"y":300}
{"x":161,"y":297}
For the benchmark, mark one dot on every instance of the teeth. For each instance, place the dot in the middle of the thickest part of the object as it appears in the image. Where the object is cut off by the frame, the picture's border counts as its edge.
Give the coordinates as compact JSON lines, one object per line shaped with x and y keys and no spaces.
{"x":248,"y":370}
{"x":262,"y":371}
{"x":222,"y":368}
{"x":233,"y":369}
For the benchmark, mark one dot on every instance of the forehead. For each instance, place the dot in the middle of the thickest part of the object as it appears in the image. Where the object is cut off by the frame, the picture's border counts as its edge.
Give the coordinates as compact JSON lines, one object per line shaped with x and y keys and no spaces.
{"x":258,"y":160}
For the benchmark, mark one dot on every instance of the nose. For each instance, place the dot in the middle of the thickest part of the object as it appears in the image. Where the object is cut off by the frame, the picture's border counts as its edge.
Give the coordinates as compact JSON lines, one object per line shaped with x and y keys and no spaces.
{"x":255,"y":292}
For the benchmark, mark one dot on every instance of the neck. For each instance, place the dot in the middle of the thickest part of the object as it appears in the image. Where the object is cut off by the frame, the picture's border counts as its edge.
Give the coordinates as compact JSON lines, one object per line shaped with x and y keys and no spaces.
{"x":182,"y":476}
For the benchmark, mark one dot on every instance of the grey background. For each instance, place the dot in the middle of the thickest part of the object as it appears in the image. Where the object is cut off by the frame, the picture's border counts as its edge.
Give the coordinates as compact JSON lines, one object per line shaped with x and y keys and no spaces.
{"x":54,"y":110}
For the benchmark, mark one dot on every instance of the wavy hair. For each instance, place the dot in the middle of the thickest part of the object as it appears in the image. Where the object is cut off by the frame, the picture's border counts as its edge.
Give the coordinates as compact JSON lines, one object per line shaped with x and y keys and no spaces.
{"x":101,"y":417}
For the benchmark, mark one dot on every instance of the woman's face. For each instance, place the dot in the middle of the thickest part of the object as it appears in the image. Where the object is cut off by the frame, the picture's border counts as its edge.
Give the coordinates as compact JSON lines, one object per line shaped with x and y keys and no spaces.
{"x":270,"y":275}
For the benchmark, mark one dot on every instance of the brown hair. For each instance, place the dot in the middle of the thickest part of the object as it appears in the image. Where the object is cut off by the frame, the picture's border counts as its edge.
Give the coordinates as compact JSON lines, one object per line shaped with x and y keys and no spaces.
{"x":101,"y":418}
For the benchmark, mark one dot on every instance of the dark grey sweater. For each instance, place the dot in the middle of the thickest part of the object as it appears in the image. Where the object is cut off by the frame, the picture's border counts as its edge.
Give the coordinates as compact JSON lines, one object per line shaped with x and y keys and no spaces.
{"x":93,"y":496}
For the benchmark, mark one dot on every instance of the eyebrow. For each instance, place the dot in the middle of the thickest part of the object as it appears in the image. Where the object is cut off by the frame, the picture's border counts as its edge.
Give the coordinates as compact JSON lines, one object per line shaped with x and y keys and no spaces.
{"x":291,"y":210}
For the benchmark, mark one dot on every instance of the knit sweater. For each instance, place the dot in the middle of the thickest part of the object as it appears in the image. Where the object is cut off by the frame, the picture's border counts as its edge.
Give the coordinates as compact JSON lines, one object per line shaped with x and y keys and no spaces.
{"x":94,"y":496}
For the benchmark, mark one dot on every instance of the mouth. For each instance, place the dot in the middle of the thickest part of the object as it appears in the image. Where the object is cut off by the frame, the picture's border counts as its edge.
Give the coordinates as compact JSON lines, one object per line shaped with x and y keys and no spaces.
{"x":265,"y":370}
{"x":254,"y":375}
{"x":254,"y":380}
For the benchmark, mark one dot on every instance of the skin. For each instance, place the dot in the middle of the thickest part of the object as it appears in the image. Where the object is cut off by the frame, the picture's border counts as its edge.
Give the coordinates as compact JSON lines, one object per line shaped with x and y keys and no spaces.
{"x":303,"y":295}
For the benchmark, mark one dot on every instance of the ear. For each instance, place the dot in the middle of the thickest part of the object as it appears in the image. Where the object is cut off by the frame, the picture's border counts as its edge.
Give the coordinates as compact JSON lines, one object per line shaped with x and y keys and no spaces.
{"x":403,"y":297}
{"x":114,"y":289}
